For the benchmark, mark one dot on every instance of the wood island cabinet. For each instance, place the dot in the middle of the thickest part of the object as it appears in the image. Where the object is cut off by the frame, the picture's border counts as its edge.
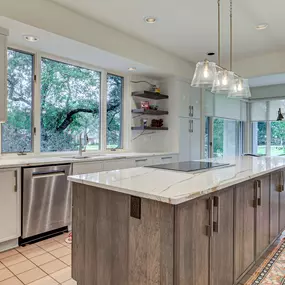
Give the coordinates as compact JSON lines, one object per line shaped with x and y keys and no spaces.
{"x":274,"y":204}
{"x":211,"y":240}
{"x":262,"y":194}
{"x":244,"y":237}
{"x":282,"y":203}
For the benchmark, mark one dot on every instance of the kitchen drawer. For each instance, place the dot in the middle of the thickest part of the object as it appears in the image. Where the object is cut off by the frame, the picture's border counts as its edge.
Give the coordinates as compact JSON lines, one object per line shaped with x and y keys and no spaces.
{"x":164,"y":159}
{"x":87,"y":167}
{"x":143,"y":161}
{"x":119,"y":164}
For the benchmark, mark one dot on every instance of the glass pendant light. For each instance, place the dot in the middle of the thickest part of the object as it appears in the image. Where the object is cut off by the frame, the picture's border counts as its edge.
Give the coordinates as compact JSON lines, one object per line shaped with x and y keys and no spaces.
{"x":224,"y":82}
{"x":240,"y":89}
{"x":205,"y":74}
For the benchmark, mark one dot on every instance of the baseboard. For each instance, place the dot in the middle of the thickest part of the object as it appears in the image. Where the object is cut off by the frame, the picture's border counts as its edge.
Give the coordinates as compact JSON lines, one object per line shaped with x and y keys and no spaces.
{"x":6,"y":245}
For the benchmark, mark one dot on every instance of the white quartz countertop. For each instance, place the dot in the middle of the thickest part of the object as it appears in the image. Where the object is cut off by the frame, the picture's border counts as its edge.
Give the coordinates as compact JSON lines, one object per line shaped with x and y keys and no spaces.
{"x":175,"y":187}
{"x":21,"y":161}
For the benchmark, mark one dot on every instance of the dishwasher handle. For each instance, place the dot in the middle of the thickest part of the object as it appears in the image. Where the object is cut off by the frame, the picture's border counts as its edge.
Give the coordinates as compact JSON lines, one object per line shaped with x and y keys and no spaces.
{"x":47,"y":174}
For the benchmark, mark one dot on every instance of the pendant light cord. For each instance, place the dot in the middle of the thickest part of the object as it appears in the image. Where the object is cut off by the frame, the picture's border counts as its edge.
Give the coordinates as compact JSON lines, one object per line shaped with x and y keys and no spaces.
{"x":219,"y":32}
{"x":231,"y":35}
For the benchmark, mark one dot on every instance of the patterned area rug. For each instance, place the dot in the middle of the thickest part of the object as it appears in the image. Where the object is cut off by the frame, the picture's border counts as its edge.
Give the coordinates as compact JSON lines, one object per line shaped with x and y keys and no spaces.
{"x":272,"y":270}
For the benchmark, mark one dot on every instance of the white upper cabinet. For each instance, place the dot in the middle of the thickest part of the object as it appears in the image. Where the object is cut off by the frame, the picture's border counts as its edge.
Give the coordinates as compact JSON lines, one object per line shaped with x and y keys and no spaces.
{"x":189,"y":100}
{"x":3,"y":74}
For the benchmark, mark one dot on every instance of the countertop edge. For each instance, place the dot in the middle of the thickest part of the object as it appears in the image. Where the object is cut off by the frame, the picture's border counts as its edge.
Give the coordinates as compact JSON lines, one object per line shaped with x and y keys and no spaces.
{"x":174,"y":201}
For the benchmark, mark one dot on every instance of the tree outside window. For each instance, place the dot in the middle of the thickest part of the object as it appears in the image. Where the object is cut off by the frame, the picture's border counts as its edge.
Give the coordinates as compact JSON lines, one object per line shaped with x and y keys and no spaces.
{"x":17,"y":131}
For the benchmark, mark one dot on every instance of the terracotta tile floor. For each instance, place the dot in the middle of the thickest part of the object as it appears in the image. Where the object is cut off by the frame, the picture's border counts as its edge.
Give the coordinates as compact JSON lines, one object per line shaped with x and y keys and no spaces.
{"x":45,"y":263}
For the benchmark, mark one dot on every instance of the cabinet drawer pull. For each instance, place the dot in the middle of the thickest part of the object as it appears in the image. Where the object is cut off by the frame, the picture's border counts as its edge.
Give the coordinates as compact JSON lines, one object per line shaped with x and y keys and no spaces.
{"x":139,"y":160}
{"x":191,"y":126}
{"x":167,"y":157}
{"x":191,"y":111}
{"x":255,"y":194}
{"x":210,"y":207}
{"x":216,"y":224}
{"x":260,"y":192}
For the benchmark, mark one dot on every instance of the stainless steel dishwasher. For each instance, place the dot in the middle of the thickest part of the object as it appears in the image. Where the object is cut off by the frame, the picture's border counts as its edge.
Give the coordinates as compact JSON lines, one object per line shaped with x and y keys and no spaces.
{"x":46,"y":200}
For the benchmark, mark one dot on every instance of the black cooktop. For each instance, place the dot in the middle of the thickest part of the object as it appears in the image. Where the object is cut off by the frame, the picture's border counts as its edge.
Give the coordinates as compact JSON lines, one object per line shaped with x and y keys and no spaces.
{"x":188,"y":166}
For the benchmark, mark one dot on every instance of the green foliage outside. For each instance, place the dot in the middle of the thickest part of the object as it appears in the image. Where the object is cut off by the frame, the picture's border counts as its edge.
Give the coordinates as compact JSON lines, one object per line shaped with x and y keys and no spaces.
{"x":70,"y":105}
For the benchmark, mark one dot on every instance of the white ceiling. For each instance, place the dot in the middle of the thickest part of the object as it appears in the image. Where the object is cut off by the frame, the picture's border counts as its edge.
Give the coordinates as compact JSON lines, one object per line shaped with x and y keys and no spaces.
{"x":188,"y":28}
{"x":59,"y":46}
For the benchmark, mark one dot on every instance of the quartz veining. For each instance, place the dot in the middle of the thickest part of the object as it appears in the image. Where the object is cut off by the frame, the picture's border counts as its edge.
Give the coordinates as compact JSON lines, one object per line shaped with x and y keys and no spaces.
{"x":175,"y":187}
{"x":8,"y":162}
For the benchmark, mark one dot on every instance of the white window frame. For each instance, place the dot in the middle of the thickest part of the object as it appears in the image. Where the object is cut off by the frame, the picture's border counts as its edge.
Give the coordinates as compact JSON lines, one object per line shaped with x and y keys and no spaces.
{"x":38,"y":55}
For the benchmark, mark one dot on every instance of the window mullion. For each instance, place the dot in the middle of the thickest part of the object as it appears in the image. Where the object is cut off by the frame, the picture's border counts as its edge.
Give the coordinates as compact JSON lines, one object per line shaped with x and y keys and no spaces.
{"x":103,"y":113}
{"x":37,"y":104}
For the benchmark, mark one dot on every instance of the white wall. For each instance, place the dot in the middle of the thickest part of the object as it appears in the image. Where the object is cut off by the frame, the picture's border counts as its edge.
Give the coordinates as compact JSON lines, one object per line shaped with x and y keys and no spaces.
{"x":270,"y":91}
{"x":56,"y":19}
{"x":151,"y":141}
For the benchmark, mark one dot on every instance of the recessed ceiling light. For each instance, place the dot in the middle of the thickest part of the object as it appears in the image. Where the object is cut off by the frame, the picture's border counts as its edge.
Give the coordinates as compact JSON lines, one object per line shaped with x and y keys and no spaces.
{"x":150,"y":20}
{"x":132,"y":69}
{"x":261,"y":26}
{"x":31,"y":38}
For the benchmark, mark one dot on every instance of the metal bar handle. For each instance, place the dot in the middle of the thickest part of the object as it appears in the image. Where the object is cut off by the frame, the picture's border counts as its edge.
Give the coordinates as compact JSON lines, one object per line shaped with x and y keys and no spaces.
{"x":255,"y":194}
{"x":191,"y":126}
{"x":166,"y":157}
{"x":210,"y":207}
{"x":191,"y":111}
{"x":48,"y":174}
{"x":216,"y":224}
{"x":260,"y":193}
{"x":139,"y":160}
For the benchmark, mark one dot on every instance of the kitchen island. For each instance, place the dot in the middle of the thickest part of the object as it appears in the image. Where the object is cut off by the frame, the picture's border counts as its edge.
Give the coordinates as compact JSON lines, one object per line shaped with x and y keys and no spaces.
{"x":150,"y":226}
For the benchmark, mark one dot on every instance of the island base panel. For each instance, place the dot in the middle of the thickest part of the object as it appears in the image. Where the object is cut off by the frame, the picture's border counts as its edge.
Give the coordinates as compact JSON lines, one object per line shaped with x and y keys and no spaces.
{"x":111,"y":247}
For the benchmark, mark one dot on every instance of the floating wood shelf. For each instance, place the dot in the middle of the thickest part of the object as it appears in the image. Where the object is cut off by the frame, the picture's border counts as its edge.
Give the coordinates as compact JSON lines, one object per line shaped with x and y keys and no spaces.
{"x":150,"y":112}
{"x":149,"y":95}
{"x":141,"y":128}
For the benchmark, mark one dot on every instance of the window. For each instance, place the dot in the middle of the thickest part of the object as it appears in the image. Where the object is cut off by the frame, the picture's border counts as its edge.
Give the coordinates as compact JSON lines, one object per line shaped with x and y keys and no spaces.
{"x":226,"y":137}
{"x":70,"y":106}
{"x":114,"y":110}
{"x":17,"y":131}
{"x":277,"y":146}
{"x":259,"y":138}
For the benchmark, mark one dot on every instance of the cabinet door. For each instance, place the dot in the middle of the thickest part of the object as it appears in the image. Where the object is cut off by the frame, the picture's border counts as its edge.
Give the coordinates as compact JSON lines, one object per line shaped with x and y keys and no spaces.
{"x":3,"y":78}
{"x":119,"y":164}
{"x":192,"y":243}
{"x":222,"y":247}
{"x":194,"y":102}
{"x":143,"y":161}
{"x":164,"y":159}
{"x":184,"y":89}
{"x":195,"y":140}
{"x":184,"y":139}
{"x":87,"y":167}
{"x":282,"y":207}
{"x":244,"y":214}
{"x":274,"y":204}
{"x":262,"y":214}
{"x":9,"y":205}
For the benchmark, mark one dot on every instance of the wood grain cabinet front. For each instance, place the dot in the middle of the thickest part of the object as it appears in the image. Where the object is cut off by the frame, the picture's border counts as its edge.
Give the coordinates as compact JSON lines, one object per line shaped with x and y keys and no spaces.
{"x":204,"y":240}
{"x":262,"y":195}
{"x":244,"y":237}
{"x":282,"y":204}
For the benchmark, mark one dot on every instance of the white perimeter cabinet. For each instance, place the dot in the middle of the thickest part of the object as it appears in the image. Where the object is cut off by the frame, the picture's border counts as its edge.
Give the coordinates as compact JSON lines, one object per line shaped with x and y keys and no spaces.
{"x":10,"y":200}
{"x":121,"y":163}
{"x":3,"y":74}
{"x":189,"y":143}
